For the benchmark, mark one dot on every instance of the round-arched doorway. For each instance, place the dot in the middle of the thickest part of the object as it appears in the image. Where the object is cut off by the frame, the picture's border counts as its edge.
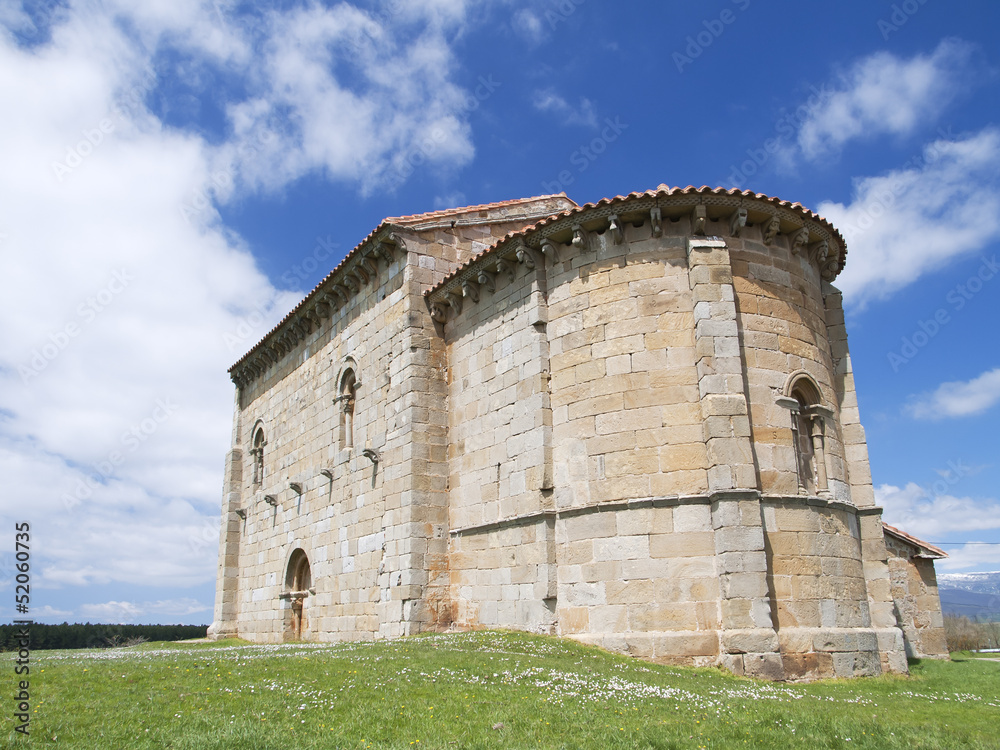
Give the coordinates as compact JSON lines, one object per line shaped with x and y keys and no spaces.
{"x":298,"y":585}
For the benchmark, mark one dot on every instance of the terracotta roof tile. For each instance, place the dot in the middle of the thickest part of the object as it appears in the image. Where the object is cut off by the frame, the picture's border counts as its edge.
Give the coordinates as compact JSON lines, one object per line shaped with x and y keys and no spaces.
{"x":661,"y":190}
{"x":388,"y":223}
{"x":936,"y":551}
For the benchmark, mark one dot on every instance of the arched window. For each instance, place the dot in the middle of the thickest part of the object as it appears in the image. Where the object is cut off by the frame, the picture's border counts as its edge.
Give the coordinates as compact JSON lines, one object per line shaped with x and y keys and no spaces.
{"x":348,"y":390}
{"x":258,"y":456}
{"x":804,"y":401}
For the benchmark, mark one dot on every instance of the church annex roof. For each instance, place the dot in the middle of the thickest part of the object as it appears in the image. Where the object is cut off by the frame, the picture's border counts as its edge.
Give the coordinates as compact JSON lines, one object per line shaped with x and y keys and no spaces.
{"x":930,"y":550}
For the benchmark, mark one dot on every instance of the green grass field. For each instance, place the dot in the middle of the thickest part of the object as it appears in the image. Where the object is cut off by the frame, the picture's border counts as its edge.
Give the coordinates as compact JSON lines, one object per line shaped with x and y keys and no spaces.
{"x":479,"y":690}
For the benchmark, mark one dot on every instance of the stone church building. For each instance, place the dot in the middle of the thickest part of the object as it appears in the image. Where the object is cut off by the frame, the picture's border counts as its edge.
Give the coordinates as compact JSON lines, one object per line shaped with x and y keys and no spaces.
{"x":632,"y":423}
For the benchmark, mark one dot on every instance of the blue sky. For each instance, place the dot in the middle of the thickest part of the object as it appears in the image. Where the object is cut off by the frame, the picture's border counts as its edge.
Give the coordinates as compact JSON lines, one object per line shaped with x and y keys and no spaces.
{"x":177,"y":174}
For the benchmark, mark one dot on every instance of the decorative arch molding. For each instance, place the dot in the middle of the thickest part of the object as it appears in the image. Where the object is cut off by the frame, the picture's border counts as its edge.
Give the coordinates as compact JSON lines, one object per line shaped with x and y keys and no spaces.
{"x":258,"y":441}
{"x":802,"y":380}
{"x":347,"y":384}
{"x":803,"y":398}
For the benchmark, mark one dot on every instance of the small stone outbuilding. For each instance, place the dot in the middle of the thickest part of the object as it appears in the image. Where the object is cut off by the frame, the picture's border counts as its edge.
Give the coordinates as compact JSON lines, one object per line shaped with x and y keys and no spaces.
{"x":631,"y":422}
{"x":915,"y":594}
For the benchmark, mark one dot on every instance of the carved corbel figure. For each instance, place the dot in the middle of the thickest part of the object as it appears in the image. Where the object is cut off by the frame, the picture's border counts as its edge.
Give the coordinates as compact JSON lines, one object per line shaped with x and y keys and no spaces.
{"x":798,"y":240}
{"x":396,"y":240}
{"x":737,"y":221}
{"x":616,"y":229}
{"x":488,"y":280}
{"x":455,"y":301}
{"x":349,"y":283}
{"x":525,"y":256}
{"x":830,"y":269}
{"x":384,"y":249}
{"x":580,"y":240}
{"x":438,"y":313}
{"x":360,"y":274}
{"x":819,"y":252}
{"x":505,"y":268}
{"x":370,"y":265}
{"x":769,"y":230}
{"x":655,"y":220}
{"x":549,"y":251}
{"x":699,"y":219}
{"x":470,"y":289}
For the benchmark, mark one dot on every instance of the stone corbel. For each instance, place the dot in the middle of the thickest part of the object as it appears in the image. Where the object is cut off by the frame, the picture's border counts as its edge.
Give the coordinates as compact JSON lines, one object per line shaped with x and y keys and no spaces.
{"x":616,"y":229}
{"x":382,"y":248}
{"x":487,"y":280}
{"x":655,"y":220}
{"x":798,"y":240}
{"x":770,"y":228}
{"x":737,"y":221}
{"x":699,"y":219}
{"x":439,"y":313}
{"x":549,"y":251}
{"x":344,"y":291}
{"x":396,"y":240}
{"x":525,"y":256}
{"x":505,"y":268}
{"x":360,"y":274}
{"x":295,"y":487}
{"x":241,"y":512}
{"x":819,"y":251}
{"x":271,"y":500}
{"x":323,"y":308}
{"x":470,"y":289}
{"x":830,"y":269}
{"x":580,"y":239}
{"x":370,"y":265}
{"x":455,"y":301}
{"x":350,"y":283}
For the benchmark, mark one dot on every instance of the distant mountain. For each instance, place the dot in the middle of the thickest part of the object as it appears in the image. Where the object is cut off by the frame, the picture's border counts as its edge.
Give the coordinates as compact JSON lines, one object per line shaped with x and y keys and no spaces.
{"x":975,"y":595}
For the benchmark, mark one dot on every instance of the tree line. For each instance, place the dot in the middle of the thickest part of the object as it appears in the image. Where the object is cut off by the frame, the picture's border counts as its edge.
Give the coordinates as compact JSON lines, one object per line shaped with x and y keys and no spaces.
{"x":88,"y":635}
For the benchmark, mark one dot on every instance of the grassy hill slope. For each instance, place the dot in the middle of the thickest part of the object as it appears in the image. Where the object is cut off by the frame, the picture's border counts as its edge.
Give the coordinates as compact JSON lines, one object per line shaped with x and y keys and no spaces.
{"x":480,"y":690}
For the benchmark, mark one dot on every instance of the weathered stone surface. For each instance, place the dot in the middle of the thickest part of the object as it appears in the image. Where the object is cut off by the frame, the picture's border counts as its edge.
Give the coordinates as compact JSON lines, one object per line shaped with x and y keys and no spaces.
{"x":650,"y":444}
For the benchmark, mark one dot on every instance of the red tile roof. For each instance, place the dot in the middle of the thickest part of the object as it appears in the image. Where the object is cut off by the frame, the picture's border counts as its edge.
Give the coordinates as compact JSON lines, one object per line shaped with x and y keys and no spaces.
{"x":661,"y":191}
{"x":387,"y":224}
{"x":935,"y":551}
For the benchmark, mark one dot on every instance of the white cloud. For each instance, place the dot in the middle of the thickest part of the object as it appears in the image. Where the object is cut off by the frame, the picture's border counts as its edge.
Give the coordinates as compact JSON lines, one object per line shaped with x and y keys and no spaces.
{"x":547,"y":100}
{"x":929,"y":515}
{"x":899,"y":226}
{"x":884,"y":94}
{"x":974,"y":555}
{"x":528,"y":25}
{"x":124,"y":298}
{"x":130,"y":612}
{"x":958,"y":398}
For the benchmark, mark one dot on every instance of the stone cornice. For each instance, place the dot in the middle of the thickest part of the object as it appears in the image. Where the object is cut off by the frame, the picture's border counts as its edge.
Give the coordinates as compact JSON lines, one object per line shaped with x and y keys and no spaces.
{"x":362,"y":267}
{"x":558,"y":237}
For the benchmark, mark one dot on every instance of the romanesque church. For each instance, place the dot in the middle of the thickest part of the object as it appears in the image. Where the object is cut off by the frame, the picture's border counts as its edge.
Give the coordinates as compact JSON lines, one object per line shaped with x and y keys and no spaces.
{"x":632,"y":423}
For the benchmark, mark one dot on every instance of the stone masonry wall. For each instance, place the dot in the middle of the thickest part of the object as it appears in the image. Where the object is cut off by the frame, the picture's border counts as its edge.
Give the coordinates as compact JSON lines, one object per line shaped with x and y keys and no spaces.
{"x":917,"y":602}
